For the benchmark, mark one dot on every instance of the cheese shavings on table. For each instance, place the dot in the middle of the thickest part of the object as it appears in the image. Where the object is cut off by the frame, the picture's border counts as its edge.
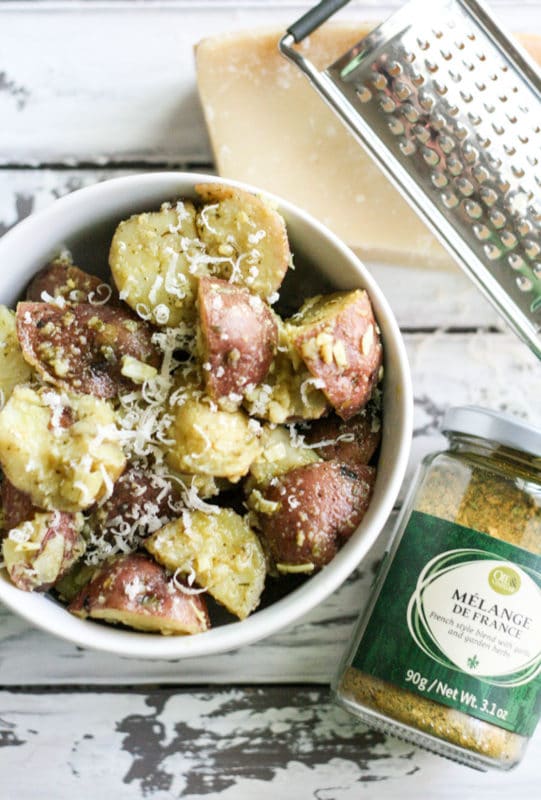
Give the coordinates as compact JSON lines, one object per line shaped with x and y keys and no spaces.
{"x":270,"y":128}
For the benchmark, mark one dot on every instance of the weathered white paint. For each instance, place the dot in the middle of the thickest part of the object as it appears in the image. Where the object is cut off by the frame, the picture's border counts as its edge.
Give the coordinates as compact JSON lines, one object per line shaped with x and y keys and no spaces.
{"x":231,"y":744}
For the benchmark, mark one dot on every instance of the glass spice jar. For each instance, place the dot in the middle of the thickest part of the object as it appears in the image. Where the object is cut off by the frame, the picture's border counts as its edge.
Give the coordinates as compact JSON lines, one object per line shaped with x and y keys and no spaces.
{"x":448,"y":652}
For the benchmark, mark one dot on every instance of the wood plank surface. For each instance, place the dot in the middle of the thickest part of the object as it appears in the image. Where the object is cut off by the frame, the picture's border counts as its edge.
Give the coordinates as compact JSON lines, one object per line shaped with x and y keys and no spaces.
{"x":285,"y":743}
{"x":91,"y":89}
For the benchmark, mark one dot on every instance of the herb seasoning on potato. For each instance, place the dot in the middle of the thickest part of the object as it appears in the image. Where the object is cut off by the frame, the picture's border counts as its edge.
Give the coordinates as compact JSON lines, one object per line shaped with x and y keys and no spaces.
{"x":448,"y":654}
{"x":158,"y":436}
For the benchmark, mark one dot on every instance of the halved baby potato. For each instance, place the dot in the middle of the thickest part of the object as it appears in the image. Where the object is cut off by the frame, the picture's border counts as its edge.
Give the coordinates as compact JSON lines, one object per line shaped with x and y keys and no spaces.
{"x":13,"y":367}
{"x":155,"y":260}
{"x":278,"y":456}
{"x":84,"y":347}
{"x":39,"y":551}
{"x":63,"y":279}
{"x":141,"y":502}
{"x":353,"y":441}
{"x":223,"y":552}
{"x":306,"y":514}
{"x":133,"y":590}
{"x":208,"y":441}
{"x":237,"y":340}
{"x":62,"y":449}
{"x":247,"y":234}
{"x":338,"y":339}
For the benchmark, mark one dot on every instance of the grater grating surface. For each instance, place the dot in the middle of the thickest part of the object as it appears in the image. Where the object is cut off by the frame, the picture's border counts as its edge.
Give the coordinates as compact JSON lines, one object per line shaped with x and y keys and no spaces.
{"x":451,"y":111}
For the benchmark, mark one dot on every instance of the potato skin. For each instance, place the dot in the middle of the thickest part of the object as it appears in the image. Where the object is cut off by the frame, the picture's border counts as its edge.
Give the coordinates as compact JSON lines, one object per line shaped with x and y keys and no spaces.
{"x":134,"y":590}
{"x":353,"y":442}
{"x":41,"y":550}
{"x":136,"y":491}
{"x":59,"y":448}
{"x":337,"y":337}
{"x":17,"y":506}
{"x":253,"y":233}
{"x":238,"y":337}
{"x":13,"y":367}
{"x":62,"y":279}
{"x":139,"y":505}
{"x":81,"y":347}
{"x":312,"y":510}
{"x":222,"y":550}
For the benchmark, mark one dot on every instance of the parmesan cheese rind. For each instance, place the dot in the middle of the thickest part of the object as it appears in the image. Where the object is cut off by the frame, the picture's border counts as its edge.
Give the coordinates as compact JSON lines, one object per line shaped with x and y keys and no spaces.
{"x":13,"y":367}
{"x":61,"y":468}
{"x":223,"y":552}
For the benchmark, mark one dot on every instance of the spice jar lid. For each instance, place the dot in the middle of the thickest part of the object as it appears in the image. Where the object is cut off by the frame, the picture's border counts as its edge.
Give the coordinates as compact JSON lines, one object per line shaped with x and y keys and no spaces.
{"x":487,"y":424}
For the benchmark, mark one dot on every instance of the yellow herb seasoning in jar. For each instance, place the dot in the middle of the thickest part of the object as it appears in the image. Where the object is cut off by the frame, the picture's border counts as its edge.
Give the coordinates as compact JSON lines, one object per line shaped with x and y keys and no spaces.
{"x":448,"y":653}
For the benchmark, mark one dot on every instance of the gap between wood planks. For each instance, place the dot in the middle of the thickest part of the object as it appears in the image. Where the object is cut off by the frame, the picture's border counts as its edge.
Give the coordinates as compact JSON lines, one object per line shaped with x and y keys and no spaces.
{"x":101,"y":163}
{"x":166,"y":688}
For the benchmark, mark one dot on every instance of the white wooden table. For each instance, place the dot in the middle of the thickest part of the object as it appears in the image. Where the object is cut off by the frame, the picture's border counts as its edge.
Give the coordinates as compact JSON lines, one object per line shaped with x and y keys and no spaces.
{"x":89,"y":90}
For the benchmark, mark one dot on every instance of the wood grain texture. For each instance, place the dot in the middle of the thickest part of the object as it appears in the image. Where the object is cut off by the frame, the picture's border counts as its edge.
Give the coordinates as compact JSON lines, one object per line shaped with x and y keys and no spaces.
{"x":290,"y":743}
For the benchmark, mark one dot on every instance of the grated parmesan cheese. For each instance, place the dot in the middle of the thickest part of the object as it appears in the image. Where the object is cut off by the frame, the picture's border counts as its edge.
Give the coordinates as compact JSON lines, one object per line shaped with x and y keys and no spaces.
{"x":59,"y":301}
{"x":94,"y":297}
{"x":190,"y":589}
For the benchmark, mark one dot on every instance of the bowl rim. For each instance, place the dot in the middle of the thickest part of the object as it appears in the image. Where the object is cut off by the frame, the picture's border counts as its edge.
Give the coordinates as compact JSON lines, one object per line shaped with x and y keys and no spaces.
{"x":291,"y":607}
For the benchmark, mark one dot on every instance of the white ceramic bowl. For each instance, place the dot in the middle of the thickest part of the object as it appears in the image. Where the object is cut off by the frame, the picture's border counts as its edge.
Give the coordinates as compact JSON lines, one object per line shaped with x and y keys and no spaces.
{"x":84,"y":221}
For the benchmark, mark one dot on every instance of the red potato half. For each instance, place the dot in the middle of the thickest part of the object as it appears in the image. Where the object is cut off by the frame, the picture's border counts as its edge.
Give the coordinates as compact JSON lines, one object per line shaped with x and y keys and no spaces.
{"x":338,"y":339}
{"x":60,"y":279}
{"x":134,"y":590}
{"x":41,"y":550}
{"x":140,"y":504}
{"x":17,"y":506}
{"x":137,"y":493}
{"x":83,"y":347}
{"x":352,"y":442}
{"x":238,"y":337}
{"x":306,"y":514}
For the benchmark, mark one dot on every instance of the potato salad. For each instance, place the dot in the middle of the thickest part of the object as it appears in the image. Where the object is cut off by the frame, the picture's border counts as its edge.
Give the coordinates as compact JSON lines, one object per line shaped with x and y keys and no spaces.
{"x":172,"y":449}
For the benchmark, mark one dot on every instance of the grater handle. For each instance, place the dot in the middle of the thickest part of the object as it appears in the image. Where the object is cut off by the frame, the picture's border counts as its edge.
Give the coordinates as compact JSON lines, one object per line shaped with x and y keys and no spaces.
{"x":304,"y":26}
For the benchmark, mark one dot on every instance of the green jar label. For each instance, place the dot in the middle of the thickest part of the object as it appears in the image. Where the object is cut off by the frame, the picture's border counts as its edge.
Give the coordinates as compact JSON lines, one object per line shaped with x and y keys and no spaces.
{"x":458,"y":620}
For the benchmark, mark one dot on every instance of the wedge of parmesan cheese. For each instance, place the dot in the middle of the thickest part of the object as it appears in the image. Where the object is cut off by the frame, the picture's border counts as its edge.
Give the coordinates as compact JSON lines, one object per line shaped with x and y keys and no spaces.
{"x":270,"y":128}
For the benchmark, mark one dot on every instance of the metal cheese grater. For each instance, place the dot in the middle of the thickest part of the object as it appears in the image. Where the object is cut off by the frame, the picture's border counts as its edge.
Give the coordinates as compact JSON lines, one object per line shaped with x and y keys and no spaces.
{"x":450,"y":109}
